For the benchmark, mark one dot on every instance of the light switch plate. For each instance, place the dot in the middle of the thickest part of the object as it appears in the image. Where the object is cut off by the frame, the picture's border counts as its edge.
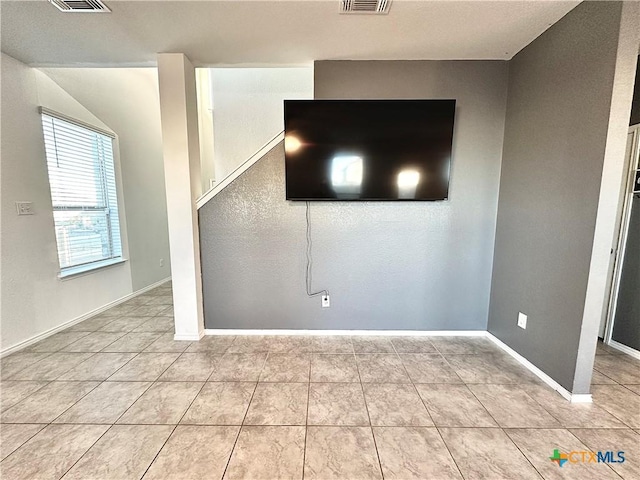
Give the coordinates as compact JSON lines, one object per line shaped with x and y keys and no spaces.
{"x":24,"y":208}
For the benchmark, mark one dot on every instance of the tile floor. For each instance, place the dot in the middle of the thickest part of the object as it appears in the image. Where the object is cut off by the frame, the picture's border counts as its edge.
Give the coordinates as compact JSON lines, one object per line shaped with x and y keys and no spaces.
{"x":115,"y":397}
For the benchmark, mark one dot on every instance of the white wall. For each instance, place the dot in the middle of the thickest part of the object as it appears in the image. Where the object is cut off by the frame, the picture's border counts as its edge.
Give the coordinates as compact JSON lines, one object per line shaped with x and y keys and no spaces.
{"x":127,"y":100}
{"x":248,"y":109}
{"x":34,"y":300}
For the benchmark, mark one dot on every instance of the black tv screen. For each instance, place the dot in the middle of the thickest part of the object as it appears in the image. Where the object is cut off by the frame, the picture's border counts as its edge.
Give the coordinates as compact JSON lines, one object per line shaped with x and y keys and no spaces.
{"x":368,"y":149}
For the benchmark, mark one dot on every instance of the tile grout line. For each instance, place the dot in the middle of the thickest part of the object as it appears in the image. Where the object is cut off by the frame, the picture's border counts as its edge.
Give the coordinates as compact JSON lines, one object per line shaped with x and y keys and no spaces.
{"x":243,"y":418}
{"x":306,"y":421}
{"x":175,"y":427}
{"x":364,"y":398}
{"x":506,"y":434}
{"x":425,"y":405}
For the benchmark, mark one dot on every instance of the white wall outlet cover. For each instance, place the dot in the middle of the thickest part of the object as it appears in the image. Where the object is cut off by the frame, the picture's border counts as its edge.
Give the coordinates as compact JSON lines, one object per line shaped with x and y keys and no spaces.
{"x":326,"y":301}
{"x":522,"y":320}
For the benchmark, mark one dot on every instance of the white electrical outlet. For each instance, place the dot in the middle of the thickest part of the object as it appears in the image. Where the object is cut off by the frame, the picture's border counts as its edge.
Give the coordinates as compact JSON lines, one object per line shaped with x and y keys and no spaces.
{"x":522,"y":320}
{"x":162,"y":262}
{"x":326,"y":302}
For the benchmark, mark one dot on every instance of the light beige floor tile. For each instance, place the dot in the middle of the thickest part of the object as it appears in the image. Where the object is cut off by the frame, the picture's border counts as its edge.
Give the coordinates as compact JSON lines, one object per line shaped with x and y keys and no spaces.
{"x":429,"y":368}
{"x":191,"y":367}
{"x":135,"y":302}
{"x":395,"y":405}
{"x":123,"y":324}
{"x":47,"y":403}
{"x":164,"y":403}
{"x":145,"y":367}
{"x":487,"y":453}
{"x":156,"y":324}
{"x":454,"y":406}
{"x":94,"y":342}
{"x":621,"y":368}
{"x":159,"y":300}
{"x":212,"y":343}
{"x":571,"y":415}
{"x":91,"y":324}
{"x":598,"y":378}
{"x":122,"y":309}
{"x":50,"y":453}
{"x":12,"y":436}
{"x":12,"y":364}
{"x":194,"y":453}
{"x":341,"y":453}
{"x":402,"y":452}
{"x":133,"y":342}
{"x":616,"y":440}
{"x":56,"y":342}
{"x":482,"y":368}
{"x":337,"y":404}
{"x":413,"y":345}
{"x":618,"y":401}
{"x":511,"y":407}
{"x":286,"y":367}
{"x":98,"y":367}
{"x":334,"y":368}
{"x":633,"y":388}
{"x":149,"y":310}
{"x":290,"y":344}
{"x":166,"y":343}
{"x":249,"y":344}
{"x":124,"y":452}
{"x":105,"y":404}
{"x":220,"y":403}
{"x":463,"y":345}
{"x":331,"y":344}
{"x":12,"y":392}
{"x":381,"y":368}
{"x":51,"y":367}
{"x":239,"y":367}
{"x":372,"y":344}
{"x":268,"y":453}
{"x":278,"y":404}
{"x":539,"y":444}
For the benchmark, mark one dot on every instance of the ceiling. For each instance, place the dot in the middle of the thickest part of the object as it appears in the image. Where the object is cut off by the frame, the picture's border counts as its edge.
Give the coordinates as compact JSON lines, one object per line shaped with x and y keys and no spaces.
{"x":284,"y":32}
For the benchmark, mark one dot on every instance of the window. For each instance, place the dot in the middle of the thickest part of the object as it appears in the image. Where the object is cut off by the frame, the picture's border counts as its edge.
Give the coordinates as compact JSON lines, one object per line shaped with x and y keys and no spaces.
{"x":83,"y":192}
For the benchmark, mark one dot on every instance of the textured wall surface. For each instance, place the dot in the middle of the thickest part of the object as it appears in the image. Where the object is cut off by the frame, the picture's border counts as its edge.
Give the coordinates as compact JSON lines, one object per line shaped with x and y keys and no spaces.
{"x":415,"y":266}
{"x":560,"y":90}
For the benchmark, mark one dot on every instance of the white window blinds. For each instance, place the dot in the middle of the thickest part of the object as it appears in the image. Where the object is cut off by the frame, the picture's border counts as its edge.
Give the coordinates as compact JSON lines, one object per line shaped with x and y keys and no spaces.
{"x":83,"y":192}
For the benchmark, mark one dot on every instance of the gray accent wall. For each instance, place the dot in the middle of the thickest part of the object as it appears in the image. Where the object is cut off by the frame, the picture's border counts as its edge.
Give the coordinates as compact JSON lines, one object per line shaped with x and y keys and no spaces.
{"x":560,"y":90}
{"x":398,"y":266}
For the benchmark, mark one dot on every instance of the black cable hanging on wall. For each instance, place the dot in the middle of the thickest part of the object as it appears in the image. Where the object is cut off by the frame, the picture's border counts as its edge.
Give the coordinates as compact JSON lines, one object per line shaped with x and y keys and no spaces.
{"x":309,"y":271}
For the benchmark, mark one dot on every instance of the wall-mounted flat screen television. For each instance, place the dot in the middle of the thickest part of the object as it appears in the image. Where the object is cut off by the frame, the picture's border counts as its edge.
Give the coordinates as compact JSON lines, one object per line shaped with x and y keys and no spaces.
{"x":368,"y":149}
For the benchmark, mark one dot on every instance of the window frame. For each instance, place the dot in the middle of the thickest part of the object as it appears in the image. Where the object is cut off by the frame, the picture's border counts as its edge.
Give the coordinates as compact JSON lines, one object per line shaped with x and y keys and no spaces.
{"x":89,"y":267}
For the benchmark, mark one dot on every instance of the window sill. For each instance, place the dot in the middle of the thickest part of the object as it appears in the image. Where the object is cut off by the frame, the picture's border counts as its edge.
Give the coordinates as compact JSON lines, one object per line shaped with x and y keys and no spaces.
{"x":81,"y":270}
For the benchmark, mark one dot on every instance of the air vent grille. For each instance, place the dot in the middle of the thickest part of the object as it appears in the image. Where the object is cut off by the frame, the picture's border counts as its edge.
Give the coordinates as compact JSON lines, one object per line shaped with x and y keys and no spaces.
{"x":379,"y":7}
{"x":80,"y":6}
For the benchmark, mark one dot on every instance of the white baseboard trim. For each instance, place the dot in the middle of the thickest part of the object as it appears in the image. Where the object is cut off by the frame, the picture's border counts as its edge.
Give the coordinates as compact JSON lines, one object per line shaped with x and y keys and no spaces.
{"x":86,"y":316}
{"x":371,"y":333}
{"x":573,"y":398}
{"x":624,"y":349}
{"x":190,"y":338}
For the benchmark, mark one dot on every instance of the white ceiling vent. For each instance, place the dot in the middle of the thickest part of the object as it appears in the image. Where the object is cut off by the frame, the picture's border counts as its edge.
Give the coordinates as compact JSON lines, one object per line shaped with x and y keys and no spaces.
{"x":80,"y":6}
{"x":379,"y":7}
